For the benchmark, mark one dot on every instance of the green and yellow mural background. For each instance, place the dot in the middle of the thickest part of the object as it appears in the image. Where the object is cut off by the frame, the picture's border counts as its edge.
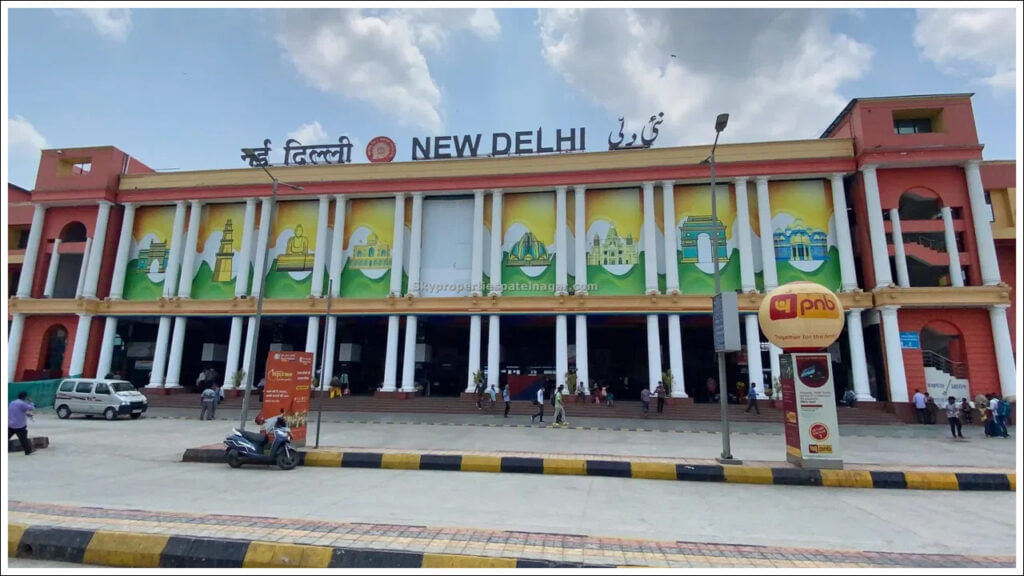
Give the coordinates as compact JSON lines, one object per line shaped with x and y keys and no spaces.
{"x":217,"y":258}
{"x":292,"y":249}
{"x":528,"y":242}
{"x":151,"y":246}
{"x":802,"y":211}
{"x":369,"y":233}
{"x":616,"y":264}
{"x":696,"y":271}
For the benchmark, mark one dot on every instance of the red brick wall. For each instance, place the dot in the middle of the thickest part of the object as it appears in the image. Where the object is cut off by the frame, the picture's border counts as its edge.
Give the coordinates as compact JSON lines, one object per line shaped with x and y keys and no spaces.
{"x":860,"y":235}
{"x":976,"y":330}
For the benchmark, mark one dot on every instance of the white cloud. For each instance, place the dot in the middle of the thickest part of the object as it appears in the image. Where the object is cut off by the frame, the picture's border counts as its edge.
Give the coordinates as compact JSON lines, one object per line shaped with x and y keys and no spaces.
{"x":777,"y":73}
{"x":23,"y":137}
{"x":377,"y":55}
{"x":308,"y":134}
{"x":109,"y":22}
{"x":970,"y":42}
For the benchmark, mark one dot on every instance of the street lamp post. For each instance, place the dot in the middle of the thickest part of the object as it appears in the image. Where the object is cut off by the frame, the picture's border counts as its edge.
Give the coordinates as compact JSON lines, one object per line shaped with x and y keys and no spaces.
{"x":723,"y":400}
{"x":251,"y":367}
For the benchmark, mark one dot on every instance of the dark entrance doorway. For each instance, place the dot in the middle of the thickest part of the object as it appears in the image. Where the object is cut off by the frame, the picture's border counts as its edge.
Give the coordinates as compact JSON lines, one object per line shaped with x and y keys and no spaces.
{"x":442,"y":365}
{"x":617,"y":354}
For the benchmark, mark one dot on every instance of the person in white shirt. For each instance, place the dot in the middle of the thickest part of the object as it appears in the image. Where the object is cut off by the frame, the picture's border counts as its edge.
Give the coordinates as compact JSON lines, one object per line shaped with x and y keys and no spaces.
{"x":921,"y":406}
{"x":540,"y":406}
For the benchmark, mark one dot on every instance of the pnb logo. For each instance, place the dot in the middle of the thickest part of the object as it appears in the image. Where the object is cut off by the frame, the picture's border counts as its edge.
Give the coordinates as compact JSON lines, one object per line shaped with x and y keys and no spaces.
{"x":787,"y":306}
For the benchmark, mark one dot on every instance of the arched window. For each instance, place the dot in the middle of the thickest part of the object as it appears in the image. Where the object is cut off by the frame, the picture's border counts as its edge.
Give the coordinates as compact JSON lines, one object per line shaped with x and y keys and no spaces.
{"x":73,"y":232}
{"x":55,"y":341}
{"x":920,"y":204}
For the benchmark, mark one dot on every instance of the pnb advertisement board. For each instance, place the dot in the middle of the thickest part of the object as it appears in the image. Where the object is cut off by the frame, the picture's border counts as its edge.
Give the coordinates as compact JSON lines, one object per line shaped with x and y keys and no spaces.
{"x":289,"y":375}
{"x":809,"y":404}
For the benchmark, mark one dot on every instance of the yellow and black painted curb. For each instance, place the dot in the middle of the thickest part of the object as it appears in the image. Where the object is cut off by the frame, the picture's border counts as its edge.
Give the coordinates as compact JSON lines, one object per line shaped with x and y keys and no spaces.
{"x":134,"y":550}
{"x":641,"y":469}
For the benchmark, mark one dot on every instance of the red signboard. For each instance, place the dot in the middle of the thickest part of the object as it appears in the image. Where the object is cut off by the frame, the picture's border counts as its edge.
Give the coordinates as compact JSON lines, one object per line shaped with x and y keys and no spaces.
{"x":381,"y":149}
{"x":289,"y":375}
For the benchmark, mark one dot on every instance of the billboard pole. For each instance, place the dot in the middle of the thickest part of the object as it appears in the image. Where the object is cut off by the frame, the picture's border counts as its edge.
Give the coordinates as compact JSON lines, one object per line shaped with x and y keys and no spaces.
{"x":323,"y":365}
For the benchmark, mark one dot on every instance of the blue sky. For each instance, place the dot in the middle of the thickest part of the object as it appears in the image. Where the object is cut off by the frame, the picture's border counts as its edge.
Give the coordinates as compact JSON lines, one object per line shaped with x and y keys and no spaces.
{"x":185,"y":89}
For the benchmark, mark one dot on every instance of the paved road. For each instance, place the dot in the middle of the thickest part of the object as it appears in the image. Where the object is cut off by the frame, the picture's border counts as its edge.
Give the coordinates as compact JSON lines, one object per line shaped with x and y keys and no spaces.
{"x":136,"y":464}
{"x":26,"y":564}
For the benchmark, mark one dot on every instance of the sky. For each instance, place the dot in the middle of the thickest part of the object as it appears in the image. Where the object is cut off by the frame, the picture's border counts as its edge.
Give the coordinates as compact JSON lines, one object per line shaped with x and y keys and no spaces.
{"x":185,"y":89}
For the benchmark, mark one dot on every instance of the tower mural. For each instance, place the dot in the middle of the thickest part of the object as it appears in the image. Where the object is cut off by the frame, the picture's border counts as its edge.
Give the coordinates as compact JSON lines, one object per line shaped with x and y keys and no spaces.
{"x":215,"y":272}
{"x":222,"y":269}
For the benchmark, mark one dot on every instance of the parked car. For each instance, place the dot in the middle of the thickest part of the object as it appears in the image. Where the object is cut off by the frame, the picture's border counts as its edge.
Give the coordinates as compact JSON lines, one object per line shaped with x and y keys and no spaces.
{"x":95,"y":397}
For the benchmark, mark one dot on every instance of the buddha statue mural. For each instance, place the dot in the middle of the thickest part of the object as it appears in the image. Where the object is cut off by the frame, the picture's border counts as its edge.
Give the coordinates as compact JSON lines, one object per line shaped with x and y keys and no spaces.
{"x":297,"y":257}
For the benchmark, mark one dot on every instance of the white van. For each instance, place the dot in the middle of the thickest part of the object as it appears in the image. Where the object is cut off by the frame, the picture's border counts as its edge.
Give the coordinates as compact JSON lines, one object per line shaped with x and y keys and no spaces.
{"x":93,"y":396}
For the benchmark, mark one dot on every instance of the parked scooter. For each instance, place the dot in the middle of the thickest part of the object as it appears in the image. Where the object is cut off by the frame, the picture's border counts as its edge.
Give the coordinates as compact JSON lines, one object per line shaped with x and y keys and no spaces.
{"x":253,"y":447}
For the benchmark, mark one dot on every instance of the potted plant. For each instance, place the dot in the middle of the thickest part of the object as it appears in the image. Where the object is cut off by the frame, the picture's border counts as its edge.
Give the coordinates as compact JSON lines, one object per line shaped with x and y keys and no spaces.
{"x":570,"y":383}
{"x":667,"y":381}
{"x":238,"y":380}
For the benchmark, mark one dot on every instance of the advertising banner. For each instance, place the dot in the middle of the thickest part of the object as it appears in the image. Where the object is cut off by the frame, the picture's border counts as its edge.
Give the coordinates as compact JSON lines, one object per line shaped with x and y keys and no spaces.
{"x":149,"y":253}
{"x":803,"y":232}
{"x":809,"y":403}
{"x":369,"y":234}
{"x":287,"y":389}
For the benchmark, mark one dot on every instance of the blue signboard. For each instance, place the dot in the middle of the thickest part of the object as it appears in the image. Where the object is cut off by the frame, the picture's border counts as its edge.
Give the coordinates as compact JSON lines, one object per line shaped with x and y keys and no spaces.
{"x":910,"y":340}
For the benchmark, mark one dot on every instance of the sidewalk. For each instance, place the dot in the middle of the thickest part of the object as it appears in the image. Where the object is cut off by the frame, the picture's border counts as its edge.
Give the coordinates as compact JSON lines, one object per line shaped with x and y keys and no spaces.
{"x":144,"y":538}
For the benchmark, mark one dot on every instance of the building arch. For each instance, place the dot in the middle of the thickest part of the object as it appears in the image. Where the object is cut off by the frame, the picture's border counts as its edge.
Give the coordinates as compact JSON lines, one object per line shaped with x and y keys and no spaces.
{"x":54,"y":344}
{"x":74,"y":232}
{"x":943,"y":350}
{"x":920,"y":203}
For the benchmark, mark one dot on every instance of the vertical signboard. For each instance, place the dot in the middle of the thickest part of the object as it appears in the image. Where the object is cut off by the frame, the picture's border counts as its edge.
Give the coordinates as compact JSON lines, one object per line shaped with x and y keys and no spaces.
{"x":287,"y":389}
{"x":809,"y":403}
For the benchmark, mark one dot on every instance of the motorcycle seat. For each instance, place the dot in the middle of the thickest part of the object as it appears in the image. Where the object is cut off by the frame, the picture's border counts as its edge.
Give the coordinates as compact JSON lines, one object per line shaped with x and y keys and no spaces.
{"x":254,"y":437}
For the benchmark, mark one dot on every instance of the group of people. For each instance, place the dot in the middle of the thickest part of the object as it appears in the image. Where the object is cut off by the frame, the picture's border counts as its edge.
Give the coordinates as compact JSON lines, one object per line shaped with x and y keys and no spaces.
{"x":659,"y":393}
{"x":994,"y":411}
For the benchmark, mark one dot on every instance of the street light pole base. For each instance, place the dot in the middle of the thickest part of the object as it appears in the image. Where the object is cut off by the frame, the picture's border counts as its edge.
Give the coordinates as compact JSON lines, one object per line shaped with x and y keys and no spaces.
{"x":729,"y":461}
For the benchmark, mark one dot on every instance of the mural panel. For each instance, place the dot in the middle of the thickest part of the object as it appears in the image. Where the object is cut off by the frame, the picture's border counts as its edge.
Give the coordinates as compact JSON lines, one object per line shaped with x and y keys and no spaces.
{"x":803,"y":232}
{"x":528,"y":243}
{"x":696,"y":232}
{"x":292,"y":249}
{"x":615,"y":254}
{"x":149,"y":252}
{"x":218,"y":246}
{"x":369,"y":234}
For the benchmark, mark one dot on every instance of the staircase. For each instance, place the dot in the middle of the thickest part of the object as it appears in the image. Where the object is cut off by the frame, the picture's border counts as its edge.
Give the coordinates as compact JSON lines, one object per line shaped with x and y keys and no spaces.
{"x":924,"y":253}
{"x":864,"y":413}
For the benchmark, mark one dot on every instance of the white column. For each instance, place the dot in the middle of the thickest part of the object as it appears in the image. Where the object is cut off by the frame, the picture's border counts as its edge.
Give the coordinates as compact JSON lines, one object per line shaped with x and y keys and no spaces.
{"x":675,"y":356}
{"x":477,"y":261}
{"x":189,"y":250}
{"x":671,"y":246}
{"x":398,"y":245}
{"x":561,"y":349}
{"x":174,"y":258}
{"x":99,"y":240}
{"x":249,"y":349}
{"x":83,"y":271}
{"x":312,"y":339}
{"x":28,"y":266}
{"x":1004,"y":352}
{"x":956,"y":275}
{"x":493,"y":350}
{"x":746,"y":248}
{"x":858,"y":359}
{"x":876,"y":228}
{"x":317,"y":288}
{"x":580,"y":217}
{"x":650,"y":249}
{"x":330,"y":347}
{"x":51,"y":272}
{"x":124,"y":244}
{"x":174,"y":358}
{"x":653,"y":352}
{"x":894,"y":354}
{"x":561,"y":244}
{"x":415,"y":245}
{"x":81,"y":344}
{"x":14,"y":344}
{"x":234,"y":346}
{"x":261,"y":249}
{"x":474,"y":351}
{"x":496,"y":207}
{"x":245,"y":256}
{"x":847,"y":270}
{"x":409,"y":355}
{"x":107,"y":347}
{"x":773,"y":361}
{"x":982,"y":226}
{"x":582,"y":356}
{"x":754,"y":365}
{"x":156,"y":376}
{"x":764,"y":221}
{"x":337,"y":246}
{"x":902,"y":275}
{"x":391,"y":356}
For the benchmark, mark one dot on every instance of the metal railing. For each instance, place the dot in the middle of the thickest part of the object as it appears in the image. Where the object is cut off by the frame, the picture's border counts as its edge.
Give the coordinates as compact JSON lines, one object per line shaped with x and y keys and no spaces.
{"x":943,"y":364}
{"x":926,"y":241}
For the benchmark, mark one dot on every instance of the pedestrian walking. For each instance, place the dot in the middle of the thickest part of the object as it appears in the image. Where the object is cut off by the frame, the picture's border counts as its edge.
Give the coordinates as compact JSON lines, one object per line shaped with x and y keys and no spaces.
{"x":965,"y":412}
{"x":208,"y":400}
{"x":480,"y":395}
{"x":492,"y":393}
{"x":507,"y":397}
{"x":752,"y":399}
{"x":931,"y":409}
{"x":1000,"y":410}
{"x":660,"y":393}
{"x":953,"y":415}
{"x":539,"y":401}
{"x":920,"y":406}
{"x":18,"y":414}
{"x":645,"y":400}
{"x":559,"y":407}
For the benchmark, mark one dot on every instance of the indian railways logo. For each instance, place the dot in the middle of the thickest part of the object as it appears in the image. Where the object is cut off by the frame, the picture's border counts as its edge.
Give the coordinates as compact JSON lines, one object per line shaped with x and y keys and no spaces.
{"x":381,"y":149}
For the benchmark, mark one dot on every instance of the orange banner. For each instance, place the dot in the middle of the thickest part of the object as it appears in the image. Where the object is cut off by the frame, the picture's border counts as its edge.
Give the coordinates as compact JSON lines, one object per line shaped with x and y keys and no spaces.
{"x":287,"y":389}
